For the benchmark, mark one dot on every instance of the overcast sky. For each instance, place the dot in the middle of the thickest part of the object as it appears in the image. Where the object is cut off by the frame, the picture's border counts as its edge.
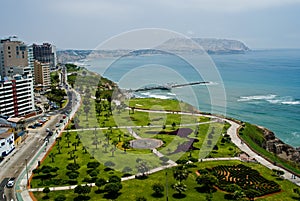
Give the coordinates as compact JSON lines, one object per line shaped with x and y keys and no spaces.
{"x":83,"y":24}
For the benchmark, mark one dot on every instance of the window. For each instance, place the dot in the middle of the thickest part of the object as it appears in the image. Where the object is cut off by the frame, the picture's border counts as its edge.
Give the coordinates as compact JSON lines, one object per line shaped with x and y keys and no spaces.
{"x":8,"y":47}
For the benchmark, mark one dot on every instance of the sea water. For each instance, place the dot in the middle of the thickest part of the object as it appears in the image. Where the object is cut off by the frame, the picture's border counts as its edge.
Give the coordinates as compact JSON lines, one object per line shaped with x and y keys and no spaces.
{"x":261,"y":86}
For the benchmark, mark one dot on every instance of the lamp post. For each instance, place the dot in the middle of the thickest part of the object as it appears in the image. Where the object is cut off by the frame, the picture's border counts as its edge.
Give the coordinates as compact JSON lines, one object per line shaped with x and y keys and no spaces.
{"x":167,"y":196}
{"x":27,"y":183}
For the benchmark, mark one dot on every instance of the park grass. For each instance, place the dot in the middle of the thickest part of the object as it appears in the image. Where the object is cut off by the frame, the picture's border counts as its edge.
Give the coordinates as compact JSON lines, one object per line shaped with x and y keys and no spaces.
{"x":253,"y":136}
{"x":161,"y":104}
{"x":143,"y":187}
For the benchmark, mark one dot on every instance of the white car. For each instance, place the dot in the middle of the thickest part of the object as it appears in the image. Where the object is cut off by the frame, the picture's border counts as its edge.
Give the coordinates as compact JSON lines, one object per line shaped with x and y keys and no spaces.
{"x":10,"y":183}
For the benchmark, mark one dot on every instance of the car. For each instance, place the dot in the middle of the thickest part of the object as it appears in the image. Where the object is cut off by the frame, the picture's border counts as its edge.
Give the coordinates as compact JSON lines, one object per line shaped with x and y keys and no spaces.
{"x":61,"y":121}
{"x":57,"y":125}
{"x":10,"y":183}
{"x":48,"y":130}
{"x":32,"y":126}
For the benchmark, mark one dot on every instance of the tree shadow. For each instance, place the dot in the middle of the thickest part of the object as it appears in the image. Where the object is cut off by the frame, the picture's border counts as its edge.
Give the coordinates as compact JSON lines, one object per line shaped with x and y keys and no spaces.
{"x":99,"y":191}
{"x":179,"y":196}
{"x":112,"y":196}
{"x":82,"y":197}
{"x":155,"y":195}
{"x":204,"y":189}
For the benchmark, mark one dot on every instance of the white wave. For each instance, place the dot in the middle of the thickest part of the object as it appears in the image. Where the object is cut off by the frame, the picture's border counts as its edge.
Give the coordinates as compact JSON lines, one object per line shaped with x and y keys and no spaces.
{"x":290,"y":102}
{"x":171,"y":94}
{"x":211,"y":83}
{"x":260,"y":97}
{"x":271,"y":98}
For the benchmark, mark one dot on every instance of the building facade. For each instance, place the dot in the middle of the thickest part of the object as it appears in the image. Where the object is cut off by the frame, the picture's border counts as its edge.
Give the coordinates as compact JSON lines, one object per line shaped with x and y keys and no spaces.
{"x":45,"y":53}
{"x":13,"y":53}
{"x":42,"y":74}
{"x":6,"y":141}
{"x":16,"y":96}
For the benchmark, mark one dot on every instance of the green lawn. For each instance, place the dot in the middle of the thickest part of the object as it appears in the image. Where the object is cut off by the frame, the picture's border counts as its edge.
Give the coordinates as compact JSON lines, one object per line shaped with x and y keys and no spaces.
{"x":134,"y":188}
{"x":253,"y":136}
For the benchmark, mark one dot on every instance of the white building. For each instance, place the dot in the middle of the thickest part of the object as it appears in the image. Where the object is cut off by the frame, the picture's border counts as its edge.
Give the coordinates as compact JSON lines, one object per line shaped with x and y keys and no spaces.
{"x":16,"y":96}
{"x":6,"y":141}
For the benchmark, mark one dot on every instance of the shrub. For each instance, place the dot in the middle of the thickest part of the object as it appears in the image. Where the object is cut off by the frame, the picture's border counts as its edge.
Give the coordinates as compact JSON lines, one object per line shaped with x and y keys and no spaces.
{"x":93,"y":164}
{"x":73,"y":166}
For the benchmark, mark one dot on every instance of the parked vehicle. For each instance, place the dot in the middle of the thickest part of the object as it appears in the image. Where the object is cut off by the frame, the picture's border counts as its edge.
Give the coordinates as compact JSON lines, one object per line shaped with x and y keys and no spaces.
{"x":10,"y":183}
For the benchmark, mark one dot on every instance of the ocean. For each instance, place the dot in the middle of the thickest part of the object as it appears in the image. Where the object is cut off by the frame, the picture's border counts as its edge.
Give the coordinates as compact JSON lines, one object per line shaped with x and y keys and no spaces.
{"x":261,"y":86}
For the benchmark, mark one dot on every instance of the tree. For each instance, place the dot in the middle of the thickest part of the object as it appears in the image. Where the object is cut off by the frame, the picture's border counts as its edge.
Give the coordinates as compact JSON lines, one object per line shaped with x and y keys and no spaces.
{"x":142,"y":167}
{"x":126,"y":145}
{"x":68,"y":142}
{"x":113,"y":188}
{"x":105,"y":146}
{"x":238,"y":194}
{"x":100,"y":182}
{"x":114,"y":179}
{"x":113,"y":151}
{"x":173,"y":125}
{"x":46,"y":190}
{"x":207,"y":181}
{"x":179,"y":187}
{"x":60,"y":198}
{"x":52,"y":156}
{"x":74,"y":144}
{"x":297,"y":191}
{"x":180,"y":173}
{"x":59,"y":149}
{"x":158,"y":188}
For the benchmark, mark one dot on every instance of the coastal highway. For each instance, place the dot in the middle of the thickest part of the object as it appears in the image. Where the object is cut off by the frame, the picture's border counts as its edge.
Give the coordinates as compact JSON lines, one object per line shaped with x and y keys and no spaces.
{"x":14,"y":163}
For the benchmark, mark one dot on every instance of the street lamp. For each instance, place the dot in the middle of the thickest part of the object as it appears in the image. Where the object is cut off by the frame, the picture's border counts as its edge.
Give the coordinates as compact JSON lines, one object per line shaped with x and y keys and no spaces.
{"x":167,"y":196}
{"x":27,"y":183}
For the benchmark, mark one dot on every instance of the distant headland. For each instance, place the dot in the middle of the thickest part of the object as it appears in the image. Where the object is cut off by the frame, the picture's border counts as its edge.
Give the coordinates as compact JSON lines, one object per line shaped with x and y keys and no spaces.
{"x":210,"y":45}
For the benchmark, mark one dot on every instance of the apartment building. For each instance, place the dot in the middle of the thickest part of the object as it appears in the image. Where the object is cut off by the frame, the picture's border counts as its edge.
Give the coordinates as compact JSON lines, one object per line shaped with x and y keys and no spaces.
{"x":42,"y":74}
{"x":16,"y":96}
{"x":45,"y":53}
{"x":13,"y":53}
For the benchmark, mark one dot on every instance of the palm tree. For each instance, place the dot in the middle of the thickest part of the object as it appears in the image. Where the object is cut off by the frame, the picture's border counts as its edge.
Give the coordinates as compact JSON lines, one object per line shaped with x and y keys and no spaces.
{"x":115,"y":142}
{"x":95,"y":142}
{"x":113,"y":151}
{"x":67,"y":135}
{"x":74,"y":158}
{"x":84,"y":148}
{"x":179,"y":187}
{"x":181,"y":173}
{"x":52,"y":156}
{"x":59,"y":149}
{"x":75,"y":145}
{"x":68,"y":142}
{"x":105,"y":146}
{"x":119,"y":136}
{"x":71,"y":154}
{"x":126,"y":145}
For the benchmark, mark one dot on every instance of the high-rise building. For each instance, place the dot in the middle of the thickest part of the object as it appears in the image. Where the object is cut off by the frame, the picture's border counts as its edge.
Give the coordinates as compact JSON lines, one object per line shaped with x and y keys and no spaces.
{"x":42,"y":74}
{"x":31,"y":60}
{"x":13,"y":53}
{"x":45,"y":53}
{"x":16,"y":96}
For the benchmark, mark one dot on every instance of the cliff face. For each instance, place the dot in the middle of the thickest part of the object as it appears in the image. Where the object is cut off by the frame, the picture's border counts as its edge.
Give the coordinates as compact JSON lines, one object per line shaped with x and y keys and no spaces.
{"x":276,"y":146}
{"x":210,"y":45}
